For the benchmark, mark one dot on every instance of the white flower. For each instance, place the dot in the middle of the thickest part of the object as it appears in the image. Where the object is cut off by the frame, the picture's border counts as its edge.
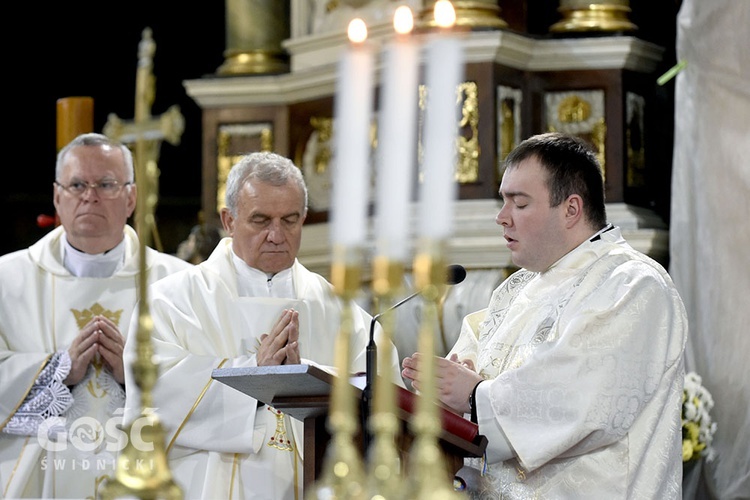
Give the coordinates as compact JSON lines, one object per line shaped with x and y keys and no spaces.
{"x":697,"y":427}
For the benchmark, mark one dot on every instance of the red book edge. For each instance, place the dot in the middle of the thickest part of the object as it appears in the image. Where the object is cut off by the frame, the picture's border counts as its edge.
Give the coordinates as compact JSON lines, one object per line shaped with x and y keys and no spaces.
{"x":452,"y":423}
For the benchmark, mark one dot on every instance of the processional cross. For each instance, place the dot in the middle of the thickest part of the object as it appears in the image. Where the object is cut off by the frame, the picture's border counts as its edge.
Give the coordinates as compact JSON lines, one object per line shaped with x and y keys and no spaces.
{"x":147,"y":132}
{"x":144,"y":473}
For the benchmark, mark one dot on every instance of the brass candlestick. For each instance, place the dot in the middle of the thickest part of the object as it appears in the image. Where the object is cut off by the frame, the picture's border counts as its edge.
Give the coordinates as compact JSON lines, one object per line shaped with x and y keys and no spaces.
{"x":342,"y":474}
{"x":384,"y":465}
{"x":427,"y":465}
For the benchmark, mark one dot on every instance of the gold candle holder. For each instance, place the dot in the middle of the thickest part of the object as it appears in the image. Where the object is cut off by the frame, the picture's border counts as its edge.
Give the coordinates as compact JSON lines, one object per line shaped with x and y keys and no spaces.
{"x":384,"y":465}
{"x":342,"y":475}
{"x":427,"y":465}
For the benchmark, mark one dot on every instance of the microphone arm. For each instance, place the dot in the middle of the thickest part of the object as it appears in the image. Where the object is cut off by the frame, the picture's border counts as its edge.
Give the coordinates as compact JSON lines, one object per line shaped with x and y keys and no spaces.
{"x":455,"y":274}
{"x":371,"y":369}
{"x":371,"y":358}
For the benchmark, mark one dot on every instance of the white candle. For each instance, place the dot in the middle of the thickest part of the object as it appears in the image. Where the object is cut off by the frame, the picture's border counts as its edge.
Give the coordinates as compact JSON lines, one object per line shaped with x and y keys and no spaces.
{"x":352,"y":115}
{"x":444,"y":68}
{"x":397,"y":139}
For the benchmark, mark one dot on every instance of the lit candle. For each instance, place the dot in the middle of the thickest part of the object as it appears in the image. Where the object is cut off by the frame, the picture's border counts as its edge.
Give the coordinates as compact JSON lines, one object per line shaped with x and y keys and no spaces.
{"x":444,"y":68}
{"x":397,"y":139}
{"x":352,"y":115}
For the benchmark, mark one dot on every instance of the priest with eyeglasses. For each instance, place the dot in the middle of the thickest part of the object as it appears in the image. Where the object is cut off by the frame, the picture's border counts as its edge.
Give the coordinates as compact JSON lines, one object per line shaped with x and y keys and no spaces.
{"x":65,"y":305}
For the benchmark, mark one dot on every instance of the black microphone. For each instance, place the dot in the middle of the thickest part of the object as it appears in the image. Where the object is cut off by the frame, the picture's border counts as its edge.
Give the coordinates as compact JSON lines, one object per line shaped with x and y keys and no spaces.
{"x":455,"y":274}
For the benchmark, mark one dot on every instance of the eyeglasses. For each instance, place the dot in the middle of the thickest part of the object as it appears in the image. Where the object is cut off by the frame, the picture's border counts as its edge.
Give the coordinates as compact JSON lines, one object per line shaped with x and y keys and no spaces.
{"x":105,"y":189}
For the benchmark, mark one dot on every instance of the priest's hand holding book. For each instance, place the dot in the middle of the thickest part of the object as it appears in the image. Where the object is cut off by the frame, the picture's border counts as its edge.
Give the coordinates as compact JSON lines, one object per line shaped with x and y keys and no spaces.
{"x":455,"y":380}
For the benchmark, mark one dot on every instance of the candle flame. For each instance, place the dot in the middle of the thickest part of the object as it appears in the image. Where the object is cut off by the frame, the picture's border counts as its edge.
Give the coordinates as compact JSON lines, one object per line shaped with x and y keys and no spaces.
{"x":403,"y":20}
{"x":445,"y":14}
{"x":357,"y":30}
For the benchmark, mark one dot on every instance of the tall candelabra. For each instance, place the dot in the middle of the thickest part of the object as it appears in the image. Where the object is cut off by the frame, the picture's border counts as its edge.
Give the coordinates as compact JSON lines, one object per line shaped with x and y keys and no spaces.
{"x":384,"y":480}
{"x":343,"y":476}
{"x":428,"y":470}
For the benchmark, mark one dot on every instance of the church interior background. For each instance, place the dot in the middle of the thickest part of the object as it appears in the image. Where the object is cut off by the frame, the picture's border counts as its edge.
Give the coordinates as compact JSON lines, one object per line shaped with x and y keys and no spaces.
{"x":264,"y":78}
{"x":523,"y":76}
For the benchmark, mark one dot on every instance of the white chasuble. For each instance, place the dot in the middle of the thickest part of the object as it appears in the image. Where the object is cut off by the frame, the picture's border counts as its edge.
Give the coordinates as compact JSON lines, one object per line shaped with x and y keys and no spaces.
{"x":585,"y":370}
{"x":220,"y":443}
{"x":42,"y":309}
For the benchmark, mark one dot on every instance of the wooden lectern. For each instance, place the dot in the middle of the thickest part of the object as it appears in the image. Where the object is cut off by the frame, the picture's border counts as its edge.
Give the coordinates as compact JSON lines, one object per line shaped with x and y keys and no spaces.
{"x":302,"y":391}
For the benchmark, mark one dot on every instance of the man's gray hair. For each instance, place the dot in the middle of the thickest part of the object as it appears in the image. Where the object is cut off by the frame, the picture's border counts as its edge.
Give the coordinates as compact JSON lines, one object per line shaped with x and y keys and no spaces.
{"x":94,"y":139}
{"x":270,"y":168}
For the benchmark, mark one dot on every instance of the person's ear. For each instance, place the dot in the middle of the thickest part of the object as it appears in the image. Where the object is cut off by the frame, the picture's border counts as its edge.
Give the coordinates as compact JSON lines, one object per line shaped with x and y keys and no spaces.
{"x":132,"y":196}
{"x":573,"y":210}
{"x":56,"y":197}
{"x":227,"y":221}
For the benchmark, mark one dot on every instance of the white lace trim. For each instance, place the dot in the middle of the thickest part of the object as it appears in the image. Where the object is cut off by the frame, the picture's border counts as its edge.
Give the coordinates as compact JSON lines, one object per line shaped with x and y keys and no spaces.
{"x":49,"y":397}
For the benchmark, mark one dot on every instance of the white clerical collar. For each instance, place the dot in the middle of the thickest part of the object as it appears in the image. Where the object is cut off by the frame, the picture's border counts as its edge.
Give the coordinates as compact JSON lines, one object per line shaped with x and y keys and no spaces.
{"x":88,"y":265}
{"x":598,"y":234}
{"x":252,"y":282}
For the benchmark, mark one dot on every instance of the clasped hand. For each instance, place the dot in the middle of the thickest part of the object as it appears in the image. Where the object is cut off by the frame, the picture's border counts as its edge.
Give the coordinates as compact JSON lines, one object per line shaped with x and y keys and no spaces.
{"x":100,"y":336}
{"x":281,"y":345}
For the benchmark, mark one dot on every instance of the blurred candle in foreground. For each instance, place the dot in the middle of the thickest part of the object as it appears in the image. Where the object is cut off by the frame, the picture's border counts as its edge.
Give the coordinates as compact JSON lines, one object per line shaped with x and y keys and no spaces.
{"x":397,"y":138}
{"x":444,"y":68}
{"x":353,"y":112}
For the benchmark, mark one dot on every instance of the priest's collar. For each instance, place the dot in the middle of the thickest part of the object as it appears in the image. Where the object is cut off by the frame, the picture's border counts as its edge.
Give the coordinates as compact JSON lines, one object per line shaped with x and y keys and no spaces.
{"x":253,"y":282}
{"x":87,"y":265}
{"x":598,"y":234}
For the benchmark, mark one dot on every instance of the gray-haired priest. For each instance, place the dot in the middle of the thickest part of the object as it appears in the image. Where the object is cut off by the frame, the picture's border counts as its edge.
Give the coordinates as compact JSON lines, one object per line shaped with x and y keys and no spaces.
{"x":250,"y":304}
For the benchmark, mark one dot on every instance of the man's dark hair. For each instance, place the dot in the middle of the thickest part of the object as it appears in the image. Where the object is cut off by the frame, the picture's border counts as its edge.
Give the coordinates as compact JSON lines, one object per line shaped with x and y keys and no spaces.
{"x":572,"y":167}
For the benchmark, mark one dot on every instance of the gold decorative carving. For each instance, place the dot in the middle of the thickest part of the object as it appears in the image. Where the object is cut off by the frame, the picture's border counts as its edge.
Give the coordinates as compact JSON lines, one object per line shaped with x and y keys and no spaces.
{"x":314,"y":158}
{"x":232,"y":142}
{"x":634,"y":140}
{"x":599,"y":138}
{"x":324,"y":129}
{"x":573,"y":109}
{"x":468,"y":147}
{"x":579,"y":113}
{"x":467,"y":167}
{"x":509,"y":120}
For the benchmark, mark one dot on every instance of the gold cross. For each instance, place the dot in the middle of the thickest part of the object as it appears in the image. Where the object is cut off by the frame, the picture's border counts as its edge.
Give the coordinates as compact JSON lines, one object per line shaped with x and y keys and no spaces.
{"x":168,"y":126}
{"x":155,"y":481}
{"x":146,"y":133}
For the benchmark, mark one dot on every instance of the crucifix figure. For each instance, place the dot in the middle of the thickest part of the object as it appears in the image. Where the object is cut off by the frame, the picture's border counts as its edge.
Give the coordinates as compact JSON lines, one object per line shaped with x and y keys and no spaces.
{"x":146,"y":133}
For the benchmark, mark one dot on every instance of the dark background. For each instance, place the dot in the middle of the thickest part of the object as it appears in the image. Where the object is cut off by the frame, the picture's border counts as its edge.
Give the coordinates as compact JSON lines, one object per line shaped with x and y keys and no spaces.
{"x":90,"y":48}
